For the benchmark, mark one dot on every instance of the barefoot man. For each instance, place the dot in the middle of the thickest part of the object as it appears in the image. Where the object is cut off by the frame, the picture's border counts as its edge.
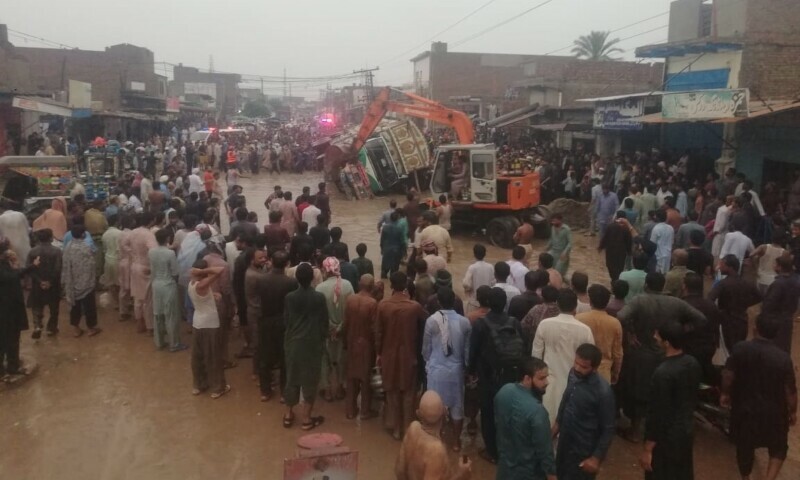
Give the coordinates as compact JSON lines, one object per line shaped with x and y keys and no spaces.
{"x":524,"y":236}
{"x":423,"y":455}
{"x":358,"y":334}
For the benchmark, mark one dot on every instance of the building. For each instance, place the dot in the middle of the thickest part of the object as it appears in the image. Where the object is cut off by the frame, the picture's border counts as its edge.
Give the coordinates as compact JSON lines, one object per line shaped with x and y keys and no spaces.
{"x":116,"y":87}
{"x":215,"y":90}
{"x":725,"y":49}
{"x":492,"y":84}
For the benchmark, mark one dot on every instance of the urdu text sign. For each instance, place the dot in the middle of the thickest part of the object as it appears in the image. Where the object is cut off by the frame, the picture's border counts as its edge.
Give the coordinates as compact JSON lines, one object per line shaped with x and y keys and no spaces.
{"x":706,"y":104}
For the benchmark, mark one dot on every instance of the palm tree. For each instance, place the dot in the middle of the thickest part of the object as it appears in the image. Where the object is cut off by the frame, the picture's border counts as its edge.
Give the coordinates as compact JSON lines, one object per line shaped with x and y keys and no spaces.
{"x":596,"y":46}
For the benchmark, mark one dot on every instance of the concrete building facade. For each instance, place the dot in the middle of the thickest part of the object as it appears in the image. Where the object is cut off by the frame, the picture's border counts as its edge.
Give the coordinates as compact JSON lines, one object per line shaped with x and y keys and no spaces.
{"x":730,"y":44}
{"x":223,"y":88}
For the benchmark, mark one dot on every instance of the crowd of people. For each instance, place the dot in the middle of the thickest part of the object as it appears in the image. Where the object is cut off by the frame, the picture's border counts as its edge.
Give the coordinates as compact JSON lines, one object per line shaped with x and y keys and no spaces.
{"x":546,"y":359}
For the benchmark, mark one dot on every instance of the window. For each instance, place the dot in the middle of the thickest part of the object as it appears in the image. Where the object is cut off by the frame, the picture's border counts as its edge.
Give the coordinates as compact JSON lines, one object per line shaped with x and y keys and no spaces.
{"x":440,"y":183}
{"x":483,"y":166}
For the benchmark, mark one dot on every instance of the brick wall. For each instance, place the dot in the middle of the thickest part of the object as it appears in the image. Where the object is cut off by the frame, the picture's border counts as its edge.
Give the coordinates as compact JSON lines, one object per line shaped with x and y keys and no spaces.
{"x":15,"y":73}
{"x":458,"y":74}
{"x":50,"y":69}
{"x":771,"y":56}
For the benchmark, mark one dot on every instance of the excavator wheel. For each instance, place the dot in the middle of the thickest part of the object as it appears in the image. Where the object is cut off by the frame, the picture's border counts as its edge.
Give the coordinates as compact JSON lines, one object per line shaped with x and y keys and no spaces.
{"x":500,"y":231}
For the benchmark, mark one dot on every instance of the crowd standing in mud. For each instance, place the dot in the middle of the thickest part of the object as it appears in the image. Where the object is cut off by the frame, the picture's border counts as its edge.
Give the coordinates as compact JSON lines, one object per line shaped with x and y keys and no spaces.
{"x":541,"y":354}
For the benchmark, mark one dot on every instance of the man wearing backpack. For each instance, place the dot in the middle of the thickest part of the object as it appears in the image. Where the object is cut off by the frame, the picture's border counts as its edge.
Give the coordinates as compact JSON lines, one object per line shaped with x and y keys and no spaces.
{"x":497,"y":346}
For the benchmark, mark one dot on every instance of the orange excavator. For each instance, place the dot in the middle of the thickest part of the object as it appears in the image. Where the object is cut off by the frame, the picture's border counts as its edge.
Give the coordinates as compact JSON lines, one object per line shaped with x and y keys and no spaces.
{"x":423,"y":108}
{"x":483,"y":196}
{"x":399,"y":149}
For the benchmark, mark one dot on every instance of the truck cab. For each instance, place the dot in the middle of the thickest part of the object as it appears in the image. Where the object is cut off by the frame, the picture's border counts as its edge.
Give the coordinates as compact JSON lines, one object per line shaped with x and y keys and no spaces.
{"x":466,"y":173}
{"x":495,"y":200}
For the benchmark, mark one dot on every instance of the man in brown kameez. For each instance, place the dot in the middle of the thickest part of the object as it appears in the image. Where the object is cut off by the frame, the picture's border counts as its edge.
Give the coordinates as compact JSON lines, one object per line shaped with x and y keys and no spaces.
{"x":358,"y":333}
{"x":397,"y":340}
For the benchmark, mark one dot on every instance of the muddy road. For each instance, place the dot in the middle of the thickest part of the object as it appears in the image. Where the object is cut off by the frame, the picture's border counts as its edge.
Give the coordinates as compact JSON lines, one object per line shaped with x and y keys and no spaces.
{"x":112,"y":407}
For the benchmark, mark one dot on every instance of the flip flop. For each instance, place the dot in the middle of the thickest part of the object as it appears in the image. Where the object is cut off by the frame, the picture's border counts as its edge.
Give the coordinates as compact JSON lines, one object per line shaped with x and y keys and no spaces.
{"x":225,"y":390}
{"x":95,"y":331}
{"x":288,"y":422}
{"x":78,"y":333}
{"x":266,"y":398}
{"x":314,"y":423}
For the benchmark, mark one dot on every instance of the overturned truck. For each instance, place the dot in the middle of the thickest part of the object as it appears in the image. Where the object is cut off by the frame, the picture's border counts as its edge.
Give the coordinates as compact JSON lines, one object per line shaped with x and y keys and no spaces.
{"x":394,"y":158}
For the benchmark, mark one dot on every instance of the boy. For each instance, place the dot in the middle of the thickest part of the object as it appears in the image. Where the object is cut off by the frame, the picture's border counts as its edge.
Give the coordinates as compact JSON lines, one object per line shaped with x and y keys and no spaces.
{"x":207,"y":361}
{"x":478,"y":274}
{"x":362,"y":263}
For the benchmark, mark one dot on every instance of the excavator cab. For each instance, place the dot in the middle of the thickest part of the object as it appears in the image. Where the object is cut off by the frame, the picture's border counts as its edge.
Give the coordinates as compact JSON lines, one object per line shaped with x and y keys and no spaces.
{"x":466,"y":173}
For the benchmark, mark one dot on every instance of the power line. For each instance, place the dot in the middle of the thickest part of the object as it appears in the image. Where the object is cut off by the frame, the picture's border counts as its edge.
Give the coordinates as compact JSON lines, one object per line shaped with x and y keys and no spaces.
{"x":41,"y":39}
{"x":504,"y":22}
{"x":426,"y":42}
{"x":644,"y":33}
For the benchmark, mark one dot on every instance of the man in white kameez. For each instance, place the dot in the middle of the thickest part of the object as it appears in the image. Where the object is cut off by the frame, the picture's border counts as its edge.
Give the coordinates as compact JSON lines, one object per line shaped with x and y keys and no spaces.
{"x":555,"y":342}
{"x":14,"y":226}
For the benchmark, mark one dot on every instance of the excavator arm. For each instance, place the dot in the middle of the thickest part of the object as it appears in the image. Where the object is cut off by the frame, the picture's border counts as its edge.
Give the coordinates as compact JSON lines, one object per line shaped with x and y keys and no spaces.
{"x":422,"y":108}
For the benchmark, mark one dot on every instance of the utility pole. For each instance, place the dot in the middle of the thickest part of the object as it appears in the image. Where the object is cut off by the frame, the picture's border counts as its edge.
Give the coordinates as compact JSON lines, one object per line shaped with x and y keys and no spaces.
{"x":368,"y":81}
{"x":262,"y":86}
{"x":211,"y":63}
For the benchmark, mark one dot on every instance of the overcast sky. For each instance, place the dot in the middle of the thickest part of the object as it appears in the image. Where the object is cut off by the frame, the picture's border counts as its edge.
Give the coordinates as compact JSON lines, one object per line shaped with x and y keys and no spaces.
{"x":320,"y":38}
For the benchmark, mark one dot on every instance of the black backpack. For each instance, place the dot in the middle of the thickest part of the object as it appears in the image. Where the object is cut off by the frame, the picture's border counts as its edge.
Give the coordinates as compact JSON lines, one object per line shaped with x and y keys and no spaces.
{"x":509,"y":349}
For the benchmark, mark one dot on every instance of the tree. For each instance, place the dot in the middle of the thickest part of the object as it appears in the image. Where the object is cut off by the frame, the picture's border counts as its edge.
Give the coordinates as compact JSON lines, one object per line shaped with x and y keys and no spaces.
{"x":596,"y":46}
{"x":255,"y":109}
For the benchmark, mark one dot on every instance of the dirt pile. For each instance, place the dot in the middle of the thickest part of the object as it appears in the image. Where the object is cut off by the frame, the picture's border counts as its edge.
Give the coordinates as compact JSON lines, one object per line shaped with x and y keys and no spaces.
{"x":575,"y":213}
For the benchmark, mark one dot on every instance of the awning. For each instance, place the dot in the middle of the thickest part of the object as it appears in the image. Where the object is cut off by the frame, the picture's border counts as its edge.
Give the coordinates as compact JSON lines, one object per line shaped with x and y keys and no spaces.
{"x":15,"y":161}
{"x":513,"y":116}
{"x":42,"y":105}
{"x":690,"y":47}
{"x":558,"y":127}
{"x":757,"y":109}
{"x":132,"y":115}
{"x":517,"y":119}
{"x":621,"y":97}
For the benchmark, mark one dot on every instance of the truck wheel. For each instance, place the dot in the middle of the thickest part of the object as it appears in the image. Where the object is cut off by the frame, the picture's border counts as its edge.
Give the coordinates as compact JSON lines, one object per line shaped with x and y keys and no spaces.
{"x":540,"y":219}
{"x":501,"y":231}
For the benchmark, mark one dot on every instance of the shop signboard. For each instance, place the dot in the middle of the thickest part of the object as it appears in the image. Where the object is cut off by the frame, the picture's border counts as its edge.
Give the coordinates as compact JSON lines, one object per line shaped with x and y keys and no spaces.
{"x":706,"y":104}
{"x":80,"y":94}
{"x":619,"y":114}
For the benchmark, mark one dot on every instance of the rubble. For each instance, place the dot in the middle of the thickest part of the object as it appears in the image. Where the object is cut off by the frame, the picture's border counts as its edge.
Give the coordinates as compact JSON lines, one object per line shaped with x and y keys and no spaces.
{"x":576,"y":214}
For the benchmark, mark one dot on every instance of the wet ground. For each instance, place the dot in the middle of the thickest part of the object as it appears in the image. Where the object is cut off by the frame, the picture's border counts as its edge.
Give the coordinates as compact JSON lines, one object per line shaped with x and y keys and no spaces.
{"x":112,"y":407}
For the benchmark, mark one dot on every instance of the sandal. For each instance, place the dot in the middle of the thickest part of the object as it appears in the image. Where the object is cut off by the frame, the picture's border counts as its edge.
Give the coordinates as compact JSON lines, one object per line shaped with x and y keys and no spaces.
{"x":266,"y":398}
{"x":314,"y":423}
{"x":78,"y":333}
{"x":95,"y":331}
{"x":288,"y":422}
{"x":222,"y":392}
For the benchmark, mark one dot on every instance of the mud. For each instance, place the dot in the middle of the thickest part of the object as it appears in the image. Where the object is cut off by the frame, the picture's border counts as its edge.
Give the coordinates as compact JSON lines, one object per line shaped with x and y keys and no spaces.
{"x":112,"y":407}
